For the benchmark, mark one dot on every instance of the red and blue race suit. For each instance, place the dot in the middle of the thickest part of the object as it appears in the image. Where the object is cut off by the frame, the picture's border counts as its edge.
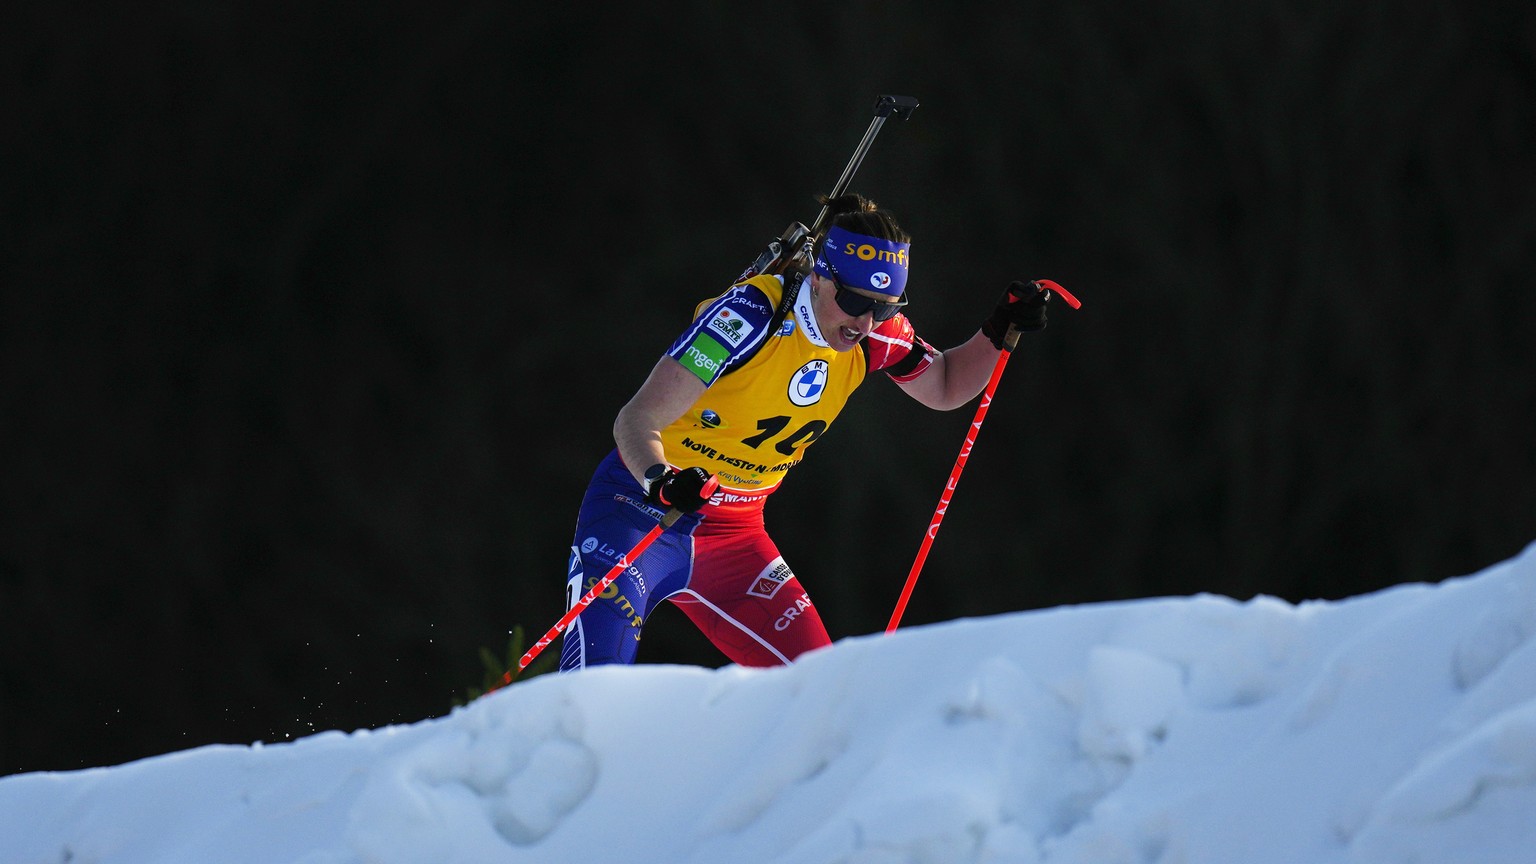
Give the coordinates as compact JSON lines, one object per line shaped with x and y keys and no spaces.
{"x":773,"y":386}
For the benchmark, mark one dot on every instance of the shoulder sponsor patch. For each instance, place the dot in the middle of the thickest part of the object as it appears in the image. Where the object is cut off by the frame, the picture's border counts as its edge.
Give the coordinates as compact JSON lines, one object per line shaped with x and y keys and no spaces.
{"x":704,"y":357}
{"x":730,"y":327}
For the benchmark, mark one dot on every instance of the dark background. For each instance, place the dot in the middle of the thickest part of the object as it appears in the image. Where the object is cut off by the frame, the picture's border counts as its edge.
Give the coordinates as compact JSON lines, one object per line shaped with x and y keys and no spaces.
{"x":315,"y":321}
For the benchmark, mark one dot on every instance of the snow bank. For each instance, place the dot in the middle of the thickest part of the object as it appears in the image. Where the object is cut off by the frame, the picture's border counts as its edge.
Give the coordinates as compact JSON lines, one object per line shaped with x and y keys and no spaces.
{"x":1397,"y":726}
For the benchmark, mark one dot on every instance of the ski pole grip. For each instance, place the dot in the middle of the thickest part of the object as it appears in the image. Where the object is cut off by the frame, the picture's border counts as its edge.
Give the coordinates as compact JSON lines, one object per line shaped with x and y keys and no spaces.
{"x":1048,"y":285}
{"x":706,"y":492}
{"x":1042,"y":286}
{"x":1011,"y":338}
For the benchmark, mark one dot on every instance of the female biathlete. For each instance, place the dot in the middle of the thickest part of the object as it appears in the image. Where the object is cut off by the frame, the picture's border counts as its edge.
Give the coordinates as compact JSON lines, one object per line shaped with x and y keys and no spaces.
{"x":731,"y":407}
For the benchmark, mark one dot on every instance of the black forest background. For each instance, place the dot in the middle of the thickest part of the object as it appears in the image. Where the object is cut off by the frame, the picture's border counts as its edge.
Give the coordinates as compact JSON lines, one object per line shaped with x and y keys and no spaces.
{"x":315,"y":321}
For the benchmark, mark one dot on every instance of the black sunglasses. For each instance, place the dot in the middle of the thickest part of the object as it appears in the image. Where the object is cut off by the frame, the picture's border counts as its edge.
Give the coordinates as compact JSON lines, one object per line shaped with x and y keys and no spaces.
{"x":857,"y":304}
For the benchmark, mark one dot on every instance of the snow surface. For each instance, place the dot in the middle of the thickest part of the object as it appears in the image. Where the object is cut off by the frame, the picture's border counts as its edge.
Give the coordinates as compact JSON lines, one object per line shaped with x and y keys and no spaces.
{"x":1398,"y":726}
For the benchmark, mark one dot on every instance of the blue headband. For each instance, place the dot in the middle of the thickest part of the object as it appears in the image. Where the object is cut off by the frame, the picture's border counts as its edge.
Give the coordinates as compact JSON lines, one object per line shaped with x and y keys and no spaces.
{"x":863,"y":262}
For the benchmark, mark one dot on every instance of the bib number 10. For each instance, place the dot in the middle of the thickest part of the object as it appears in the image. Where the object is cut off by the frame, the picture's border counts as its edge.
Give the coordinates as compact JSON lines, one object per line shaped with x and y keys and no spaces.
{"x":772,"y":426}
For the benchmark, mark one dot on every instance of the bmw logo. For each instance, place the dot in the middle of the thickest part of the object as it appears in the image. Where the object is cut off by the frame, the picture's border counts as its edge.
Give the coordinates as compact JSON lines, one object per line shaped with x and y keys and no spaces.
{"x":808,"y":383}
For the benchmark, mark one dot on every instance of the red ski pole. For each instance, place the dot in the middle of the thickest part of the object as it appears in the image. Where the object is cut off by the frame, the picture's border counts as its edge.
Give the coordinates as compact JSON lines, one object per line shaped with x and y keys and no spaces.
{"x":1009,"y":341}
{"x":624,"y":561}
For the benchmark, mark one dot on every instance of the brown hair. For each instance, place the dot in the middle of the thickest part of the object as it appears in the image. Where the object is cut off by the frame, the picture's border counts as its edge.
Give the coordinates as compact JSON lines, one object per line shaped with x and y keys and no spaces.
{"x":853,"y":212}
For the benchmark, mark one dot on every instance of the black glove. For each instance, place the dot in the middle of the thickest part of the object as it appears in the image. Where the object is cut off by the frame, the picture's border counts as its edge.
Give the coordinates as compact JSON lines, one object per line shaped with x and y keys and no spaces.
{"x":1022,"y":306}
{"x":685,"y":490}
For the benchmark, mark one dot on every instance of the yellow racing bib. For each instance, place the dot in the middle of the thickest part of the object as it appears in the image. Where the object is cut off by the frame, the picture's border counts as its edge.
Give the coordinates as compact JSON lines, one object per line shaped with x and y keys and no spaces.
{"x":770,"y":394}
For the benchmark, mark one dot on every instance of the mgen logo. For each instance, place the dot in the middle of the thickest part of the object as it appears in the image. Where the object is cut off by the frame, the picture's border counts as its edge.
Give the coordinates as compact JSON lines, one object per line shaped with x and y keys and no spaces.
{"x":704,"y":358}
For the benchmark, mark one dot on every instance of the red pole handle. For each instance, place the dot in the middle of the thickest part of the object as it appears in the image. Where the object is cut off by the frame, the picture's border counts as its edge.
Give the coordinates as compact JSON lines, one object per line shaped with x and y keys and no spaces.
{"x":1048,"y":285}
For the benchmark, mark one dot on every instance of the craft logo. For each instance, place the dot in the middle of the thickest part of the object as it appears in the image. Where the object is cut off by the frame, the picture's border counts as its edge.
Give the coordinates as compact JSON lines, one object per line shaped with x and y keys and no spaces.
{"x":731,"y":327}
{"x":802,"y":603}
{"x":808,"y":320}
{"x":771,"y":579}
{"x":808,"y":383}
{"x":743,"y":296}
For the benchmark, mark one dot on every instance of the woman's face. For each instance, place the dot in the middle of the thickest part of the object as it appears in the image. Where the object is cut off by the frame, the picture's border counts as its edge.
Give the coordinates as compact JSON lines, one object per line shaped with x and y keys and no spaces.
{"x":841,"y":330}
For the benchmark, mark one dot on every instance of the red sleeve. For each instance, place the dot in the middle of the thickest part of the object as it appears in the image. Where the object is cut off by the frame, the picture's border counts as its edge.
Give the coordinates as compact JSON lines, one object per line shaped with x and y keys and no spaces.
{"x":895,"y":348}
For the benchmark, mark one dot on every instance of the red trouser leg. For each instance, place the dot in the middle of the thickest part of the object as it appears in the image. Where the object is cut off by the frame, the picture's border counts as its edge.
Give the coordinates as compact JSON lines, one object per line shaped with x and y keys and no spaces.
{"x":747,"y":601}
